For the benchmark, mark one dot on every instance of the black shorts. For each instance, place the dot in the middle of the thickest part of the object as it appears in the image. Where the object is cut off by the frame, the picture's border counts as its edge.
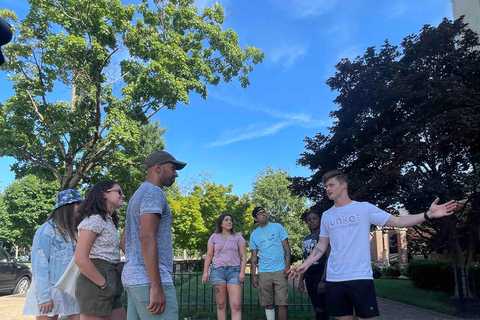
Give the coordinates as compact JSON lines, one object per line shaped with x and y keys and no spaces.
{"x":342,"y":297}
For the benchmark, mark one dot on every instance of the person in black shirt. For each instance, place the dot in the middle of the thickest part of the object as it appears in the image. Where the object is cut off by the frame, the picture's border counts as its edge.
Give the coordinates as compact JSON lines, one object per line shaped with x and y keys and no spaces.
{"x":316,"y":273}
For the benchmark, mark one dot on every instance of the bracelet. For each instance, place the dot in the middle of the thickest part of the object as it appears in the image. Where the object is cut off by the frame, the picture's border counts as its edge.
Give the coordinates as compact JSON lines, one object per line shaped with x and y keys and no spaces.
{"x":427,"y":218}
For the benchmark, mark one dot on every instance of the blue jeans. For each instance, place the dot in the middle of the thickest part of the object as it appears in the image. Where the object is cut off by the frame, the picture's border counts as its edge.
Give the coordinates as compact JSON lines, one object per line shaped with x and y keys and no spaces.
{"x":225,"y":274}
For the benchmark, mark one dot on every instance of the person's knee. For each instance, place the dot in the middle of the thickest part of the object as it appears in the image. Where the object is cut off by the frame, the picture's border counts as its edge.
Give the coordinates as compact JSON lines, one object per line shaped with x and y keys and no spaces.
{"x":269,"y":307}
{"x":221,"y":305}
{"x":235,"y":306}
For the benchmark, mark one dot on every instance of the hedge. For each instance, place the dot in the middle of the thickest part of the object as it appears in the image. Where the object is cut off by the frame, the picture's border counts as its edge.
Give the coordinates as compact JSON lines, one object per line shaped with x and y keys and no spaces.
{"x":432,"y":274}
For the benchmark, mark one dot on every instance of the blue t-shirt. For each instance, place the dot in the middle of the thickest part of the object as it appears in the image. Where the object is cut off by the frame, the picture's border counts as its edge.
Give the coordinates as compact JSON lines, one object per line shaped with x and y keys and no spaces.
{"x":268,"y":242}
{"x":147,"y":199}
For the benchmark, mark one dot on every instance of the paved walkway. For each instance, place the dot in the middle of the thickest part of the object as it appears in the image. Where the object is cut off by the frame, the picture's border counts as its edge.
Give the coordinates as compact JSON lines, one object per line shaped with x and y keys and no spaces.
{"x":391,"y":310}
{"x":11,"y":309}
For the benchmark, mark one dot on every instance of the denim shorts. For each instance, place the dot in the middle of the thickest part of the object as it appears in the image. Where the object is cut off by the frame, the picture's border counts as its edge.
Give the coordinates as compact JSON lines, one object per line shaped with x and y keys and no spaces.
{"x":225,"y":274}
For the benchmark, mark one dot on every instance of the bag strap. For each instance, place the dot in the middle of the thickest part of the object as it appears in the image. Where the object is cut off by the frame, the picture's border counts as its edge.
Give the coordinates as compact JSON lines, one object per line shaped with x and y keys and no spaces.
{"x":216,"y":256}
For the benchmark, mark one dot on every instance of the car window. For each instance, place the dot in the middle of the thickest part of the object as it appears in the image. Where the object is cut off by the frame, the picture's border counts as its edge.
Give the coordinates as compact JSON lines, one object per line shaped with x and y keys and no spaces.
{"x":3,"y":256}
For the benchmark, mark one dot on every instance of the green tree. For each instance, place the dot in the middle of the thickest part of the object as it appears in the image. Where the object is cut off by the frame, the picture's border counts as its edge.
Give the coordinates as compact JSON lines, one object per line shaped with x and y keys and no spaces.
{"x":120,"y":65}
{"x":271,"y":191}
{"x":27,"y":204}
{"x":407,"y":130}
{"x":187,"y":224}
{"x":127,"y":166}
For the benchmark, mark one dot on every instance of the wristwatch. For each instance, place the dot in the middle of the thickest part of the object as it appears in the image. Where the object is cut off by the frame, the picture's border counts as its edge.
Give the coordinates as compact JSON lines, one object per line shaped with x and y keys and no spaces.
{"x":427,"y":218}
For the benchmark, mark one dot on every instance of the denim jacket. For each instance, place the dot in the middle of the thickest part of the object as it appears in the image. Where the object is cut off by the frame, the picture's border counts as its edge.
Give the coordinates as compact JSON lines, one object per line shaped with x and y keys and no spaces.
{"x":50,"y":258}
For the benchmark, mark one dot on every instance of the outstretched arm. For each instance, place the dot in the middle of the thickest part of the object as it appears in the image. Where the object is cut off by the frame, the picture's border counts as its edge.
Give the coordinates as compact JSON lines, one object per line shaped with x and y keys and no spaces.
{"x":317,"y":253}
{"x":435,"y":211}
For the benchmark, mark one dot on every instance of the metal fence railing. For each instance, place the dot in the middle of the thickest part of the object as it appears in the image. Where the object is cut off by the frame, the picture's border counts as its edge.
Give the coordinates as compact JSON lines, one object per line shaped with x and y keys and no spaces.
{"x":192,"y":295}
{"x":468,"y":289}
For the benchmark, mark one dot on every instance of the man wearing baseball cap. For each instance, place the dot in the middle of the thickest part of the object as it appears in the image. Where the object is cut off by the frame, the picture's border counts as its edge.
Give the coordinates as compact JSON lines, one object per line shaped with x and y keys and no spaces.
{"x":5,"y":36}
{"x":147,"y":275}
{"x":270,"y":249}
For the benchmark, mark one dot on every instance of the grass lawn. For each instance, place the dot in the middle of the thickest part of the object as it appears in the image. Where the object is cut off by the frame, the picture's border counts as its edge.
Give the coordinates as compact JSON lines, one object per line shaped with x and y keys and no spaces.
{"x":194,"y":293}
{"x":405,"y":292}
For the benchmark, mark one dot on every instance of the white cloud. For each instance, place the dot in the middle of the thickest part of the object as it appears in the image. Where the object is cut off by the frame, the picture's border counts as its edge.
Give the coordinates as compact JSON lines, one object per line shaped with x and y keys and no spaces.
{"x":287,"y":55}
{"x":287,"y":119}
{"x":300,"y":119}
{"x":251,"y":132}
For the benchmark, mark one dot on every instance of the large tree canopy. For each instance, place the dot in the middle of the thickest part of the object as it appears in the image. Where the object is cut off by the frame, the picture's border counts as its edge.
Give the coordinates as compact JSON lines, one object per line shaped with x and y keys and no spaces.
{"x":24,"y":207}
{"x":271,"y":191}
{"x":87,"y":74}
{"x":408,"y":130}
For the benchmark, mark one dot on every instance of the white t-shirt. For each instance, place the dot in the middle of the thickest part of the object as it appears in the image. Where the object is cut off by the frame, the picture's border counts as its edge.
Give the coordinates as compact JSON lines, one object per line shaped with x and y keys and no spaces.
{"x":348,"y":228}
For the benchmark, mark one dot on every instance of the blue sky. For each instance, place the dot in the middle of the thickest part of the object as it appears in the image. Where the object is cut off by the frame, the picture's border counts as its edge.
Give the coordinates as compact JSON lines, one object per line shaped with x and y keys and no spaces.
{"x":237,"y":133}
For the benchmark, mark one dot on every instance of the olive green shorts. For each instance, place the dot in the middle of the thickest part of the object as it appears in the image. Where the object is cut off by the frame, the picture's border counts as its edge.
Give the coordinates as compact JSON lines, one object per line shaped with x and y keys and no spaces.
{"x":95,"y":301}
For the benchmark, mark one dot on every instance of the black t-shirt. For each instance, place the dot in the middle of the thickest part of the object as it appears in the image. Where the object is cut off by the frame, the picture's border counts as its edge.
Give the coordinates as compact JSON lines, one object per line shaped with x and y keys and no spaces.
{"x":309,"y":243}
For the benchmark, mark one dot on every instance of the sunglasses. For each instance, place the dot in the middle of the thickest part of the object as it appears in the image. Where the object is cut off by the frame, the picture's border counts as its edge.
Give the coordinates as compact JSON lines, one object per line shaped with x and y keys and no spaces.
{"x":120,"y":192}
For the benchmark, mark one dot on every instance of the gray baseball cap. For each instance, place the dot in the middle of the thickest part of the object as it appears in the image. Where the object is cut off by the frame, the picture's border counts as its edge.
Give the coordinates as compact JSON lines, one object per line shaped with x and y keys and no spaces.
{"x":163,"y":157}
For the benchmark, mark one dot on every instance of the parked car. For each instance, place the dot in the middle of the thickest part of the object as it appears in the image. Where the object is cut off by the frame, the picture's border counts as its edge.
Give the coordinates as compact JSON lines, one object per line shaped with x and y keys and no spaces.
{"x":23,"y":257}
{"x":15,"y":277}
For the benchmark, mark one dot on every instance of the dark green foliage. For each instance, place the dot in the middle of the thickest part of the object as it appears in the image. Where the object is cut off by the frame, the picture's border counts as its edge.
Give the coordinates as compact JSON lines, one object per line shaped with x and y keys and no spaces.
{"x":392,"y":272}
{"x":407,"y":130}
{"x":377,"y":271}
{"x":432,"y":274}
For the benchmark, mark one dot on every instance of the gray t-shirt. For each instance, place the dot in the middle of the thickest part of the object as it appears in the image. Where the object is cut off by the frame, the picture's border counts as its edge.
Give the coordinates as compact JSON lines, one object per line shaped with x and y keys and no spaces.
{"x":147,"y":199}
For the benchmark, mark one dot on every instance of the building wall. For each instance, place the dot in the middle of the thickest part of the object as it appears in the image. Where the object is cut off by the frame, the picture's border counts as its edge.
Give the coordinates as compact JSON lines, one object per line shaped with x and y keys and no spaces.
{"x":471,"y":10}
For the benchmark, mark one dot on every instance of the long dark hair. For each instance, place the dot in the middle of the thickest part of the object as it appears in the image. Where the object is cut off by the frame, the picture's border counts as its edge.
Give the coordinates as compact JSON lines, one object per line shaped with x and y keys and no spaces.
{"x":95,"y":203}
{"x":64,"y":218}
{"x":219,"y":224}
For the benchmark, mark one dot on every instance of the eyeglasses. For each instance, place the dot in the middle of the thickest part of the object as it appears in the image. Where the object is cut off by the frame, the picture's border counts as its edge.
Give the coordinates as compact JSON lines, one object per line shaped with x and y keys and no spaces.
{"x":120,"y":192}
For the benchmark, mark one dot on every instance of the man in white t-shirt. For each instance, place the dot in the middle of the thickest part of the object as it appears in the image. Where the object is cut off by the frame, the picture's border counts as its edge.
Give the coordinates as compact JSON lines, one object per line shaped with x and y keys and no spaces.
{"x":346,"y":228}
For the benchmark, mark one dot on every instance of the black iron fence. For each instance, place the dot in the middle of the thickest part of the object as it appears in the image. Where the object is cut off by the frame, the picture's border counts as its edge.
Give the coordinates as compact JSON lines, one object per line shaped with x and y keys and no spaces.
{"x":468,"y":289}
{"x":192,"y":295}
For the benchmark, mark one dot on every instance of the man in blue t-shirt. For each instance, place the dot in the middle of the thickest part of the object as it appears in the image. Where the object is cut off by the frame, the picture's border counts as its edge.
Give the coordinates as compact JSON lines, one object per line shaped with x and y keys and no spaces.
{"x":270,"y":249}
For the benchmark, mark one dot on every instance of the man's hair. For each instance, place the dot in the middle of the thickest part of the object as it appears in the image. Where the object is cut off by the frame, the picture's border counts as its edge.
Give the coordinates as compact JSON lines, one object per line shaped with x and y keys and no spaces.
{"x":342,"y":177}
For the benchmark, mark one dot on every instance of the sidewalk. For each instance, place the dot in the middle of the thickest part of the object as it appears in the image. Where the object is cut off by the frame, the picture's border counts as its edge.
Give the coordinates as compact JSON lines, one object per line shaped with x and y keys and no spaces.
{"x":11,"y":309}
{"x":392,"y":310}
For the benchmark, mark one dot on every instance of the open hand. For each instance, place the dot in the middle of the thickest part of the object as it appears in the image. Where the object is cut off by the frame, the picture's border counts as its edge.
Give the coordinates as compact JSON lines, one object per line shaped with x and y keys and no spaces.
{"x":297,"y":271}
{"x":442,"y":210}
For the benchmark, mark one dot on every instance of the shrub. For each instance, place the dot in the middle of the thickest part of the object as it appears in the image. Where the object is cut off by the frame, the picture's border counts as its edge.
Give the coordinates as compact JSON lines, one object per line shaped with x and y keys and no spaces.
{"x":432,"y":274}
{"x":377,"y":272}
{"x":392,"y":272}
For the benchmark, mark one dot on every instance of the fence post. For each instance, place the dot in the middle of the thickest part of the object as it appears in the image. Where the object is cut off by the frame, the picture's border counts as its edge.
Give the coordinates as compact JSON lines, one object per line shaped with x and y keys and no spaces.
{"x":461,"y":296}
